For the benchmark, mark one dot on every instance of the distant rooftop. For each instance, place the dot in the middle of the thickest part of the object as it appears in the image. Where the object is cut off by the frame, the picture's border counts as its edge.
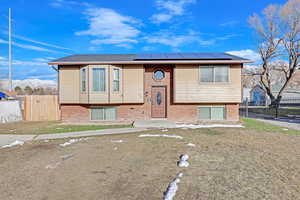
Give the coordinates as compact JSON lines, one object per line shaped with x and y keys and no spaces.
{"x":147,"y":57}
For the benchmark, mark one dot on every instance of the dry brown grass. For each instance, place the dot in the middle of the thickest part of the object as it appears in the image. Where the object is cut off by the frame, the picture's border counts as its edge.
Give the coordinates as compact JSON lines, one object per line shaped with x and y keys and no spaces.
{"x":225,"y":164}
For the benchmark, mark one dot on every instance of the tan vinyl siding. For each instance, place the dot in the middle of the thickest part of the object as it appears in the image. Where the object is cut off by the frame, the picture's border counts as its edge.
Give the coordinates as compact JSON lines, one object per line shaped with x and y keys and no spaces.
{"x":133,"y":84}
{"x":69,"y":84}
{"x":188,"y":88}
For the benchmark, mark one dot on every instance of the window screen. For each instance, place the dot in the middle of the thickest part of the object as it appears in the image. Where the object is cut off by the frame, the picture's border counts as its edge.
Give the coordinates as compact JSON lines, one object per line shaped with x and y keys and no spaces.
{"x":217,"y":113}
{"x":204,"y":113}
{"x":98,"y":79}
{"x":221,"y":74}
{"x":104,"y":113}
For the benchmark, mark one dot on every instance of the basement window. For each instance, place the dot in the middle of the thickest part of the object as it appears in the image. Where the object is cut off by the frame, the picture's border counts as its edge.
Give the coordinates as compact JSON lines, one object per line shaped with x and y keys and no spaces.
{"x":103,"y":113}
{"x":211,"y":112}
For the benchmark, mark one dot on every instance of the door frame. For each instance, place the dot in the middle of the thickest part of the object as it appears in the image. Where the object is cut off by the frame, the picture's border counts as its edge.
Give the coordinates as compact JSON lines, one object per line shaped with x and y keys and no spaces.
{"x":166,"y":98}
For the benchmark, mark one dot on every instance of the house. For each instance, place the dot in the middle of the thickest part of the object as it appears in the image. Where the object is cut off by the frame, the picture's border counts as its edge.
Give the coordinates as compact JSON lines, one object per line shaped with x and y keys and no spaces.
{"x":184,"y":87}
{"x":259,"y":97}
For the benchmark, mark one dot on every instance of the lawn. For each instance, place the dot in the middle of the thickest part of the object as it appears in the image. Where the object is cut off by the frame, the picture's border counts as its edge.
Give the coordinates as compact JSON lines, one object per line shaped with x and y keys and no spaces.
{"x":255,"y":162}
{"x":36,"y":128}
{"x":259,"y":126}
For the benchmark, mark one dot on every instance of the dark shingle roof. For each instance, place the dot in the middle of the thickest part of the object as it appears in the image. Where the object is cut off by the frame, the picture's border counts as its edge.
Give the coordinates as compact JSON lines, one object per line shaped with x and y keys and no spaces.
{"x":147,"y":57}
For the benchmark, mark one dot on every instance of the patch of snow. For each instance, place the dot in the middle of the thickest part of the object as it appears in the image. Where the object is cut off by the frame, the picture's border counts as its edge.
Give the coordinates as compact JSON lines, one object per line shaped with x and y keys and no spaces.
{"x":285,"y":129}
{"x":71,"y":141}
{"x":117,"y":141}
{"x":184,"y":157}
{"x":161,"y":135}
{"x":53,"y":166}
{"x":191,"y":145}
{"x":66,"y":157}
{"x":164,"y":130}
{"x":116,"y":148}
{"x":46,"y":140}
{"x":15,"y":143}
{"x":180,"y":174}
{"x":193,"y":126}
{"x":171,"y":190}
{"x":183,"y":163}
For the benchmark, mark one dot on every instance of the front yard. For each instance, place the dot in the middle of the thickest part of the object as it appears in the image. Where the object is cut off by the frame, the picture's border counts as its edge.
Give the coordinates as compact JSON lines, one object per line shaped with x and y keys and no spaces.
{"x":36,"y":128}
{"x":225,"y":163}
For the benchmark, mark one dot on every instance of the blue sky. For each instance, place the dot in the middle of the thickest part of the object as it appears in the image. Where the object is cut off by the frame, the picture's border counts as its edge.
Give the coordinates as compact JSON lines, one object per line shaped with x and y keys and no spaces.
{"x":49,"y":29}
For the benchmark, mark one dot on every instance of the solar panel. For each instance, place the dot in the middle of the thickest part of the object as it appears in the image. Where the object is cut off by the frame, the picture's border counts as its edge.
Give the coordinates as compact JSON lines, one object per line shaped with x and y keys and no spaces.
{"x":183,"y":56}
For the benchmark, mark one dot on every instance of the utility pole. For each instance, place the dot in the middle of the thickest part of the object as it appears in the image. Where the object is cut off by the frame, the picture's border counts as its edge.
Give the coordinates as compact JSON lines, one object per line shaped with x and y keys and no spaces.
{"x":9,"y":51}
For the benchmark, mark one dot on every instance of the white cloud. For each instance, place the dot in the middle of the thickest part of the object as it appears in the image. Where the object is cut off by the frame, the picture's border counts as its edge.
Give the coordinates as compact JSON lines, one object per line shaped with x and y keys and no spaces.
{"x":172,"y":39}
{"x":64,"y":3}
{"x":246,"y":53}
{"x":229,"y":23}
{"x":110,"y":27}
{"x":35,"y":62}
{"x":169,"y":9}
{"x":31,"y":47}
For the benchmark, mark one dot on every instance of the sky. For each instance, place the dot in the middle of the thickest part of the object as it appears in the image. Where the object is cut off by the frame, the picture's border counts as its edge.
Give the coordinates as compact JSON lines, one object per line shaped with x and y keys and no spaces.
{"x":45,"y":30}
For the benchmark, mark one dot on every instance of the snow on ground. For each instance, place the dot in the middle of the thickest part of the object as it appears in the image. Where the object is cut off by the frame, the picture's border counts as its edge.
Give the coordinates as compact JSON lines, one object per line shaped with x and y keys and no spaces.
{"x":53,"y":166}
{"x":161,"y":135}
{"x":164,"y":130}
{"x":191,"y":145}
{"x":71,"y":141}
{"x":183,"y":161}
{"x":117,"y":141}
{"x":15,"y":143}
{"x":172,"y":189}
{"x":193,"y":126}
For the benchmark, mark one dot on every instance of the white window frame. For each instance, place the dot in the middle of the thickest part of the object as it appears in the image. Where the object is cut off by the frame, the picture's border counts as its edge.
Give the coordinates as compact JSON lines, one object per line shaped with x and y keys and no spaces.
{"x":105,"y":79}
{"x":214,"y":74}
{"x":116,"y":80}
{"x":210,"y":107}
{"x":103,"y":107}
{"x":84,"y":69}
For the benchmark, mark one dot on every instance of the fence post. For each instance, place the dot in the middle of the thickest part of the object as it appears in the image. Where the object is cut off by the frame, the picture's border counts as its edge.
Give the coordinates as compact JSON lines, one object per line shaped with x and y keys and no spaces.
{"x":246,"y":107}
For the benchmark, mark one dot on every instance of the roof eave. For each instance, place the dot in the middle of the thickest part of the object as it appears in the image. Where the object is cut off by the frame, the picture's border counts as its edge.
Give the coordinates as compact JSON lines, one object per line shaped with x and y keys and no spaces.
{"x":153,"y":62}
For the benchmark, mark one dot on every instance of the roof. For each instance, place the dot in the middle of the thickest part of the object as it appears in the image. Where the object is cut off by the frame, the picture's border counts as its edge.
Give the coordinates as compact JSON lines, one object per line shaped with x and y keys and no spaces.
{"x":149,"y":58}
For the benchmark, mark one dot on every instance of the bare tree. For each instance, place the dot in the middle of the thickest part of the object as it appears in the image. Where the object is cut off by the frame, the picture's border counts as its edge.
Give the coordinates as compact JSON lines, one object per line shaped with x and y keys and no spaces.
{"x":278,"y":30}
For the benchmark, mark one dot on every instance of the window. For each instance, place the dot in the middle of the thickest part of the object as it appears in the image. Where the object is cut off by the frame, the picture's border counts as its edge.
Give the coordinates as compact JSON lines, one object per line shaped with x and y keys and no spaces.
{"x":104,"y":113}
{"x":116,"y":80}
{"x":83,"y":79}
{"x":211,"y":113}
{"x":159,"y":75}
{"x":214,"y":74}
{"x":99,"y":79}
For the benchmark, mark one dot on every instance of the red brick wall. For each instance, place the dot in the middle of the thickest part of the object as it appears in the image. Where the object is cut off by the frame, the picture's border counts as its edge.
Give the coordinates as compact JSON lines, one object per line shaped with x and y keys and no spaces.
{"x":131,"y":112}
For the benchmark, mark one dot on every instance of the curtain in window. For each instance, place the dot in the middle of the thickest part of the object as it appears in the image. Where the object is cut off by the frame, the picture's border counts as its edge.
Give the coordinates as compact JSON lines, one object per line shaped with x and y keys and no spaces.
{"x":204,"y":113}
{"x":110,"y":113}
{"x":206,"y":74}
{"x":116,"y":80}
{"x":217,"y":113}
{"x":98,"y":79}
{"x":97,"y":114}
{"x":221,"y":74}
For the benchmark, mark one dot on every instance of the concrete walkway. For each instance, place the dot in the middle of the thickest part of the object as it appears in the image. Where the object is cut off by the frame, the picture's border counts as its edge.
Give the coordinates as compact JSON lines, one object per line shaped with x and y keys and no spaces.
{"x":8,"y":139}
{"x":155,"y":123}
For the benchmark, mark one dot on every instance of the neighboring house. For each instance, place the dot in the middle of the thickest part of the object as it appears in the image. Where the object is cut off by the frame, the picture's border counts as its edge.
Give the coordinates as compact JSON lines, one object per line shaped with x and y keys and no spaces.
{"x":246,"y":94}
{"x":259,"y":97}
{"x":184,"y":87}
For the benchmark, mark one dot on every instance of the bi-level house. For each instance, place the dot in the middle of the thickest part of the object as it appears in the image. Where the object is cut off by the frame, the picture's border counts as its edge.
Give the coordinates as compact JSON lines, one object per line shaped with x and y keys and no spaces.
{"x":184,"y":87}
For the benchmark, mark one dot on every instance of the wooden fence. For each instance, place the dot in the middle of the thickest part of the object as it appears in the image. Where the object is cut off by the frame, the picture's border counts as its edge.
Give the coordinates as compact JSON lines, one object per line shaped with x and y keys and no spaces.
{"x":41,"y":108}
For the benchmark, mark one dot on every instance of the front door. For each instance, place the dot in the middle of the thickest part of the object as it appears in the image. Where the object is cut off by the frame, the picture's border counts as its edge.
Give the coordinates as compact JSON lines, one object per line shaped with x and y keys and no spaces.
{"x":158,"y":102}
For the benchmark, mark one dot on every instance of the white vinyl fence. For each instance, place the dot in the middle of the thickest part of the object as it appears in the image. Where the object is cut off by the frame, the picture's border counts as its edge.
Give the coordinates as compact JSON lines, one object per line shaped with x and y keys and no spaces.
{"x":10,"y":111}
